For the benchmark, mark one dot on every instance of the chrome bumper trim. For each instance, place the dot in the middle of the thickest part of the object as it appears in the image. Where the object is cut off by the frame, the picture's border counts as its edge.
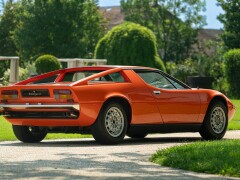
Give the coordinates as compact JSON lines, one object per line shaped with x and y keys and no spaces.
{"x":29,"y":106}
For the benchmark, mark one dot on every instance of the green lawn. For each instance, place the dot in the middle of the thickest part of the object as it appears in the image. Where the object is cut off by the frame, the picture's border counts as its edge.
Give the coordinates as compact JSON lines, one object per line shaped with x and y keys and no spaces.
{"x":215,"y":157}
{"x":234,"y":124}
{"x":7,"y":134}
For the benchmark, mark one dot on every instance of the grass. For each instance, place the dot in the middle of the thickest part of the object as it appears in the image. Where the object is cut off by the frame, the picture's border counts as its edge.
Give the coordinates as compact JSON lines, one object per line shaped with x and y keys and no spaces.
{"x":6,"y":133}
{"x":234,"y":124}
{"x":216,"y":157}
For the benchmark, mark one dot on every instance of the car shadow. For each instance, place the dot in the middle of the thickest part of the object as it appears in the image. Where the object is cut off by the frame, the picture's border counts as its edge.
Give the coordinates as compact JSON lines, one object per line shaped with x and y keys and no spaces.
{"x":90,"y":142}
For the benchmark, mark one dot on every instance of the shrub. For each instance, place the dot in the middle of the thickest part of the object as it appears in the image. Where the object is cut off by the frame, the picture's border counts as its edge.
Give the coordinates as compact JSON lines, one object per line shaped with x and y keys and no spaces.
{"x":182,"y":69}
{"x":47,"y":63}
{"x":101,"y":47}
{"x":129,"y":44}
{"x":232,"y":59}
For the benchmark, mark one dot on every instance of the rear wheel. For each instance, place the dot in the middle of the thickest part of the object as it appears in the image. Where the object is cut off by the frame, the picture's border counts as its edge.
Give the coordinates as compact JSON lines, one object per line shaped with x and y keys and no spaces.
{"x":29,"y":134}
{"x":215,"y":122}
{"x":111,"y":124}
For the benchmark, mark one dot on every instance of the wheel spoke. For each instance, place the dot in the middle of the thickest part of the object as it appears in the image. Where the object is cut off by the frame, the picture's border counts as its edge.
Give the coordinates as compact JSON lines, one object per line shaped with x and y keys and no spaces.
{"x":114,"y":122}
{"x":218,"y":120}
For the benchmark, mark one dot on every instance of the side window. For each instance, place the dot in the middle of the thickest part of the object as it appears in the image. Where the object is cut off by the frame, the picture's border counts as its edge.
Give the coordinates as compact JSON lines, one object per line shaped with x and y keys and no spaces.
{"x":78,"y":75}
{"x":156,"y":79}
{"x":177,"y":85}
{"x":114,"y":77}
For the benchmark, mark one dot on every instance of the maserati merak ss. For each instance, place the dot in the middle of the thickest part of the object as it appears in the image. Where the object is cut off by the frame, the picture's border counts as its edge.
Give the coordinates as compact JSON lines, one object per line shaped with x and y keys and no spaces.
{"x":110,"y":102}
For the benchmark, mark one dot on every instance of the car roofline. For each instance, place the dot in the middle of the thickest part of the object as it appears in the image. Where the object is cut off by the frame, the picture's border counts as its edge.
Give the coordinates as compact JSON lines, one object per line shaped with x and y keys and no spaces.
{"x":112,"y":67}
{"x":65,"y":70}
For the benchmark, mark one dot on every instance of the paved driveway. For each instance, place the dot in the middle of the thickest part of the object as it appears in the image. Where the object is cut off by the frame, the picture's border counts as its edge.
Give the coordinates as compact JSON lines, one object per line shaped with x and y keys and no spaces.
{"x":84,"y":159}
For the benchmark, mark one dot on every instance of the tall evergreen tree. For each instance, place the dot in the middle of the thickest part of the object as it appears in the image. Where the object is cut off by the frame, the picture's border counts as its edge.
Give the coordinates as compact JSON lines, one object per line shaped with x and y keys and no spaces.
{"x":7,"y":25}
{"x":231,"y":22}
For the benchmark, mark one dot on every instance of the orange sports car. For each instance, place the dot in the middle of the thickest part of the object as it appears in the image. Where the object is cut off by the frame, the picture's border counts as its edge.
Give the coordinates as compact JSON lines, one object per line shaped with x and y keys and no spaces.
{"x":110,"y":102}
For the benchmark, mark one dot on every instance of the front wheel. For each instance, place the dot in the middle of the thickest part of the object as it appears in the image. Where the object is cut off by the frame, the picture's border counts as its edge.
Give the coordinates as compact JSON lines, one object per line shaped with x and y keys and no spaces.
{"x":111,"y":124}
{"x":29,"y":134}
{"x":215,"y":123}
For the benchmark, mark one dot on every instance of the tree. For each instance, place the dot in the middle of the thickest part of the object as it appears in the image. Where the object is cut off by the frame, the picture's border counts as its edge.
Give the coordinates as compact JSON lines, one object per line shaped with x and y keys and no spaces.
{"x":129,"y":44}
{"x":7,"y":25}
{"x":231,"y":22}
{"x":232,"y":59}
{"x":66,"y":29}
{"x":174,"y":22}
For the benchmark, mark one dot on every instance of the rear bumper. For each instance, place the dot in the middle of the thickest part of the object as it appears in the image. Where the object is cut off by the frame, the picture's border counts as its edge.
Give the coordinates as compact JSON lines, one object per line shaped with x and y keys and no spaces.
{"x":28,"y":106}
{"x":40,"y":111}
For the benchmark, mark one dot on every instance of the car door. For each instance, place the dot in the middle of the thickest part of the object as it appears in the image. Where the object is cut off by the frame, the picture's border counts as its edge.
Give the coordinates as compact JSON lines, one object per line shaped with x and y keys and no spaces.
{"x":143,"y":103}
{"x":177,"y":103}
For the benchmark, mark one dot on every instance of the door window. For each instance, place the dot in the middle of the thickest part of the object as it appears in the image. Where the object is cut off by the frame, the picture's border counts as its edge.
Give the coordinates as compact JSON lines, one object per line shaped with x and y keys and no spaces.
{"x":156,"y":79}
{"x":176,"y":84}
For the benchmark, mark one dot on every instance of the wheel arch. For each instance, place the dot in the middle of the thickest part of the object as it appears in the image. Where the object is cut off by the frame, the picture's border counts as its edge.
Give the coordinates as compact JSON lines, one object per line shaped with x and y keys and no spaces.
{"x":123,"y":101}
{"x":214,"y":99}
{"x":219,"y":98}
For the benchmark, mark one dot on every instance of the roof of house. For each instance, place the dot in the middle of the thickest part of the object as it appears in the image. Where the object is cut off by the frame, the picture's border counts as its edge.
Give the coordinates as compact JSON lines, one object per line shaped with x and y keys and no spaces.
{"x":114,"y":15}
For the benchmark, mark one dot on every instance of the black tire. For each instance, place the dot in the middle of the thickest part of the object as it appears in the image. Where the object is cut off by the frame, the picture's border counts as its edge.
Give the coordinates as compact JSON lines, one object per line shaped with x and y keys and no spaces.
{"x":103,"y":129}
{"x":136,"y":135}
{"x":28,"y":134}
{"x":215,"y":122}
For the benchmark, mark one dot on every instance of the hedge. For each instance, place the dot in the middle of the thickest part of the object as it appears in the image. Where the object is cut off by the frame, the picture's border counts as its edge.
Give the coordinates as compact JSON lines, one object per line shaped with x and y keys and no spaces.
{"x":129,"y":44}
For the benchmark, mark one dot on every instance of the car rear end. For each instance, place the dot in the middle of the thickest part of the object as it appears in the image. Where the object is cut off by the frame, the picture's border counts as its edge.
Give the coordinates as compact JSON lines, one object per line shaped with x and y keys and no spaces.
{"x":40,"y":105}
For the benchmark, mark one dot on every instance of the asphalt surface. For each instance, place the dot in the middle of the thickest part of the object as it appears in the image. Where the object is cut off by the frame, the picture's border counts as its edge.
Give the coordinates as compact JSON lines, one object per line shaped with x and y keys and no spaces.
{"x":85,"y":159}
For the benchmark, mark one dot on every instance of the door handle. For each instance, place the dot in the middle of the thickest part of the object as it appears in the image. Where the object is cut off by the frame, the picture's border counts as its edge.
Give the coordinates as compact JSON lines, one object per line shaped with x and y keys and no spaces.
{"x":157,"y":92}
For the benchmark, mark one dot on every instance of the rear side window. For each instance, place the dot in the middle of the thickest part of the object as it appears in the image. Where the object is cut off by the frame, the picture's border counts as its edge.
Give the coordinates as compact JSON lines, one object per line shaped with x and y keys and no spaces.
{"x":114,"y":77}
{"x":76,"y":76}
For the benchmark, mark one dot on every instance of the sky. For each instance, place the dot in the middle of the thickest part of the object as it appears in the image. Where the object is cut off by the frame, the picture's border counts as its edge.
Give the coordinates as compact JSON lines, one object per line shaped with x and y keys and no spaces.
{"x":212,"y":11}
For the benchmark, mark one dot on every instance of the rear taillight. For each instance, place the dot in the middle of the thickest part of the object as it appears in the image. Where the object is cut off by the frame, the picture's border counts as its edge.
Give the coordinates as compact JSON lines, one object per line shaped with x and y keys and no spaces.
{"x":62,"y":94}
{"x":9,"y":94}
